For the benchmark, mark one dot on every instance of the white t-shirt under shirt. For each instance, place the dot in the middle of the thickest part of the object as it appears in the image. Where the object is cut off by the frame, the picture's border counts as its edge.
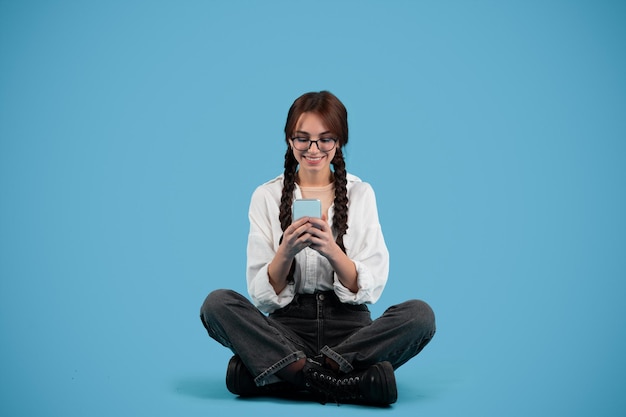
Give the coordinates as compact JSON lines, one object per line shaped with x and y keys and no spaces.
{"x":364,"y":244}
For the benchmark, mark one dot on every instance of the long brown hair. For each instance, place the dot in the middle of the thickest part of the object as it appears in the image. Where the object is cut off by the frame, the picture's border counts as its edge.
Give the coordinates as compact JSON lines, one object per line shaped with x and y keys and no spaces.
{"x":335,"y":117}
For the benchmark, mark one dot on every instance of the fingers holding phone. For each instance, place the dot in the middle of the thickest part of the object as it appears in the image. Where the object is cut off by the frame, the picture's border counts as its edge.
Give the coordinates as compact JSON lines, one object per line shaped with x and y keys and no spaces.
{"x":297,"y":236}
{"x":322,"y":239}
{"x":319,"y":235}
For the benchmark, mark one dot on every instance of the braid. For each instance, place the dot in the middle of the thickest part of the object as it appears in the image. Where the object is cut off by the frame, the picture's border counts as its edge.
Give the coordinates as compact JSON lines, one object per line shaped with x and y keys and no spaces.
{"x":286,"y":199}
{"x":340,"y":219}
{"x":289,"y":185}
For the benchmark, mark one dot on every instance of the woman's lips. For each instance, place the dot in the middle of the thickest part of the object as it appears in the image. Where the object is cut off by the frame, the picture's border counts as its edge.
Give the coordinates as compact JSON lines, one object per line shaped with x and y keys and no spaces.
{"x":314,"y":159}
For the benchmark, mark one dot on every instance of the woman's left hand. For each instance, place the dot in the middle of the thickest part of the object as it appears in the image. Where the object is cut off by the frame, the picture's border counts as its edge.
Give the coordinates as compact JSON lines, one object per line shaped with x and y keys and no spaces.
{"x":322,"y":239}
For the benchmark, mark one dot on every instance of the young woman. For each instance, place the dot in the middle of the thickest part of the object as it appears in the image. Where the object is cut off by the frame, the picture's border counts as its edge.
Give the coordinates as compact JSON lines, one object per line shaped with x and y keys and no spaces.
{"x":313,"y":278}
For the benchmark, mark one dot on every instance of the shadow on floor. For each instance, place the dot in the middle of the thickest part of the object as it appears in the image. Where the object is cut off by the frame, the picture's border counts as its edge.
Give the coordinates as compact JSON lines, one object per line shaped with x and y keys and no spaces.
{"x":202,"y":387}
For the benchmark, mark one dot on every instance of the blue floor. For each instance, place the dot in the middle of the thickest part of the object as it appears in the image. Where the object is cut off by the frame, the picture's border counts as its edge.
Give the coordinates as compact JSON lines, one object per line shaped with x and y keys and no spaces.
{"x":132,"y":135}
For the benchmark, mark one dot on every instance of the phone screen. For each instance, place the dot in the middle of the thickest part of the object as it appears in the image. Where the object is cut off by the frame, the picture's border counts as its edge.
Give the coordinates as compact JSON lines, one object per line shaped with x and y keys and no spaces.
{"x":306,"y":208}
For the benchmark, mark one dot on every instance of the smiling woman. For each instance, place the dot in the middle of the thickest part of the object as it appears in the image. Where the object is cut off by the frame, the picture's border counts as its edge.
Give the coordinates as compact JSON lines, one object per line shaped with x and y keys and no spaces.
{"x":314,"y":277}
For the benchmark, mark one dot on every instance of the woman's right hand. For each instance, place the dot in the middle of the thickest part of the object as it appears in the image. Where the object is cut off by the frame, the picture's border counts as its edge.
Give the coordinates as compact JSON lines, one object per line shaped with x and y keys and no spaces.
{"x":296,"y":237}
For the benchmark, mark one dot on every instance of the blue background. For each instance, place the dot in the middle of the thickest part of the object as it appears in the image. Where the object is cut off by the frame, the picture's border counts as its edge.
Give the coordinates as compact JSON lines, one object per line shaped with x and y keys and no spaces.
{"x":132,"y":135}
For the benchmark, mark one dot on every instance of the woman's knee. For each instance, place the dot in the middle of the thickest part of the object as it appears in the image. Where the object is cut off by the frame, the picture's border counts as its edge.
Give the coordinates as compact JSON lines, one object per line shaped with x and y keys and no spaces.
{"x":422,"y":315}
{"x":216,"y":301}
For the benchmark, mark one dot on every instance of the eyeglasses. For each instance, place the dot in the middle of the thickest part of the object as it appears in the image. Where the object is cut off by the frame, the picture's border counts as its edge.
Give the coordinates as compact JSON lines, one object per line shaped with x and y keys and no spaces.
{"x":323,"y":144}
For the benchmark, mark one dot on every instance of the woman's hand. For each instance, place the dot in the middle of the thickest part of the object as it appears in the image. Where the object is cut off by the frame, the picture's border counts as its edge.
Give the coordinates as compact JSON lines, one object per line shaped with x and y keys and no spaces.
{"x":323,"y":241}
{"x":297,"y":237}
{"x":320,"y":236}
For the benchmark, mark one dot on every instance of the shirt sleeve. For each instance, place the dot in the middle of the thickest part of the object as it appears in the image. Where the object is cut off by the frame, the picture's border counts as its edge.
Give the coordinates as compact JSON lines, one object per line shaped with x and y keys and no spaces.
{"x":365,"y":246}
{"x":263,"y":241}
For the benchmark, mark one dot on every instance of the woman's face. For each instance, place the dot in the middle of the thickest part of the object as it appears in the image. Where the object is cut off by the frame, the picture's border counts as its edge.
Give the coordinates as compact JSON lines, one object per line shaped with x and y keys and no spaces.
{"x":313,"y":161}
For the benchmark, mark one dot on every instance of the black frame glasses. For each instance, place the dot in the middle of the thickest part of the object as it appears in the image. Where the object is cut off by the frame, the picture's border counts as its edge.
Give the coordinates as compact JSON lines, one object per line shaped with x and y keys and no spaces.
{"x":323,"y":144}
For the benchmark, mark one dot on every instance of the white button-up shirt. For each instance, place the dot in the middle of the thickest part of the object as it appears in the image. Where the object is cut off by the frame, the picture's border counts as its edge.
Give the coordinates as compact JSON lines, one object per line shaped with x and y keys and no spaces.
{"x":363,"y":241}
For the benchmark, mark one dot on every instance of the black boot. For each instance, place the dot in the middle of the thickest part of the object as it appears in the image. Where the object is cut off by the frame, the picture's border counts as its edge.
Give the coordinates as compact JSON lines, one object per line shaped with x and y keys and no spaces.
{"x":240,"y":381}
{"x":375,"y":386}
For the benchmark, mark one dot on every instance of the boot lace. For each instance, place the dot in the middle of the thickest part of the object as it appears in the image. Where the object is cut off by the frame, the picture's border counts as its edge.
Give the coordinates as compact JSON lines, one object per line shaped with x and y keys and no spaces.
{"x":332,"y":387}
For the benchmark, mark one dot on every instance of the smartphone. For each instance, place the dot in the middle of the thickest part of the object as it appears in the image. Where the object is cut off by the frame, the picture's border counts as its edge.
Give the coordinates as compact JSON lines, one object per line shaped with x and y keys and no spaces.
{"x":307,"y":207}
